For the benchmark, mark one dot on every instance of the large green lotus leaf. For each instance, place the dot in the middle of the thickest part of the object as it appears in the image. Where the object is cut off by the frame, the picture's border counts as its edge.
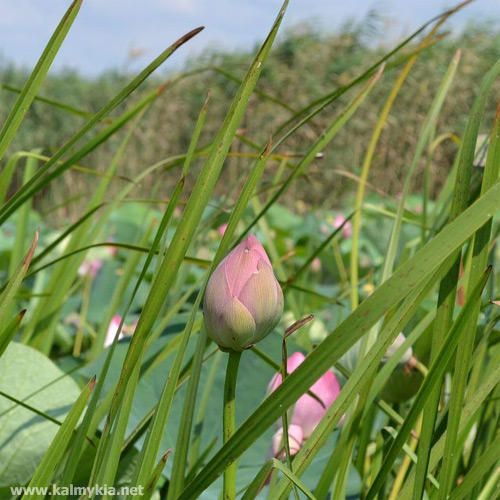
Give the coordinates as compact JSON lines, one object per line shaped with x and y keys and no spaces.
{"x":28,"y":375}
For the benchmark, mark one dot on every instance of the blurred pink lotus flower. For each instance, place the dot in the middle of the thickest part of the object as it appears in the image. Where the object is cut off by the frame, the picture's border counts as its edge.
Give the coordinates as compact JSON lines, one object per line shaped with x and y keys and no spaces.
{"x":90,"y":267}
{"x":347,"y":229}
{"x":222,"y":229}
{"x":316,"y":265}
{"x":114,"y":324}
{"x":307,"y":411}
{"x":243,"y":301}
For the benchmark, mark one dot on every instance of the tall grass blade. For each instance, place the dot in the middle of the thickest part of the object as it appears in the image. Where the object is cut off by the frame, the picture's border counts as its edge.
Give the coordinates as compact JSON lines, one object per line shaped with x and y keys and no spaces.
{"x":28,"y":93}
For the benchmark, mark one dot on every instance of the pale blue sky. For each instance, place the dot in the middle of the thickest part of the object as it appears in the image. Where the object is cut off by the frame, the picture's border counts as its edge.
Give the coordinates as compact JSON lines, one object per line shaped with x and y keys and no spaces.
{"x":106,"y":30}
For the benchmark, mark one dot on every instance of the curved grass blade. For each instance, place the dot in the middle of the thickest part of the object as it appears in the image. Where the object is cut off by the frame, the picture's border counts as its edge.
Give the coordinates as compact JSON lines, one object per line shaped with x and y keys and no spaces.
{"x":185,"y":232}
{"x":367,"y":161}
{"x":408,"y":276}
{"x":432,"y":379}
{"x":15,"y":281}
{"x":38,"y":181}
{"x":23,"y":102}
{"x":45,"y":470}
{"x":448,"y":286}
{"x":51,"y":102}
{"x":318,"y":145}
{"x":42,"y":414}
{"x":464,"y":351}
{"x":9,"y":331}
{"x":327,"y":99}
{"x":156,"y":474}
{"x":46,"y":251}
{"x":477,"y":471}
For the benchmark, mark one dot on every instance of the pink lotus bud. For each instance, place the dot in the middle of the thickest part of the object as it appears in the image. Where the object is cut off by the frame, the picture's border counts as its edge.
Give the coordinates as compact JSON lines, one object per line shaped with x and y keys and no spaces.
{"x":347,"y":229}
{"x":243,"y":300}
{"x":307,"y":411}
{"x":90,"y":267}
{"x":316,"y":265}
{"x":114,"y":324}
{"x":222,"y":229}
{"x":295,"y":439}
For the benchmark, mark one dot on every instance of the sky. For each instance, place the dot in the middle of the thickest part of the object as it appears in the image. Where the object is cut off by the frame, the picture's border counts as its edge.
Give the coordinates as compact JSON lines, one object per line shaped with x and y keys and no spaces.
{"x":106,"y":32}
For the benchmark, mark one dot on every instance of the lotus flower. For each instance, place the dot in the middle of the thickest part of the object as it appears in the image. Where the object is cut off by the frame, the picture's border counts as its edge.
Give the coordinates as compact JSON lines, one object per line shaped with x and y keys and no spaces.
{"x":307,"y":411}
{"x":90,"y":267}
{"x":222,"y":229}
{"x":243,"y":301}
{"x":347,"y":229}
{"x":114,"y":324}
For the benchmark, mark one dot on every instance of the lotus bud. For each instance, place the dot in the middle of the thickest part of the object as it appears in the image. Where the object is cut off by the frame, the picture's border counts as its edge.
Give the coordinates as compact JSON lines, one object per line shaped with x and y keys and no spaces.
{"x":114,"y":324}
{"x":243,"y":301}
{"x":347,"y":229}
{"x":295,"y":439}
{"x":222,"y":229}
{"x":90,"y":267}
{"x":308,"y":411}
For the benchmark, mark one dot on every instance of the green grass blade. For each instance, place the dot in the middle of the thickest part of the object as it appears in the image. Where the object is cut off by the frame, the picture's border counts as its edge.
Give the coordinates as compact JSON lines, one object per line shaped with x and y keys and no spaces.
{"x":464,"y":350}
{"x":448,"y":286}
{"x":318,"y":146}
{"x":23,"y":102}
{"x":185,"y":232}
{"x":45,"y":470}
{"x":412,"y":272}
{"x":367,"y":161}
{"x":8,"y":332}
{"x":425,"y":134}
{"x":51,"y":102}
{"x":7,"y":173}
{"x":28,"y":189}
{"x":431,"y":381}
{"x":470,"y":410}
{"x":15,"y":281}
{"x":482,"y":466}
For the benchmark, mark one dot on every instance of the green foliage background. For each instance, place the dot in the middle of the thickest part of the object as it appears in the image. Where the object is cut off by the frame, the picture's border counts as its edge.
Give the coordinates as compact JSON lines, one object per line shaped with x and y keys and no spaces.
{"x":303,"y":66}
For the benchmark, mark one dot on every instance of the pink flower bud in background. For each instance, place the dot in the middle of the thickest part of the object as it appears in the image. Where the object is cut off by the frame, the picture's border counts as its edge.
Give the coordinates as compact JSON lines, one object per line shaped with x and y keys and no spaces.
{"x":347,"y":229}
{"x":114,"y":324}
{"x":307,"y":411}
{"x":316,"y":265}
{"x":295,"y":440}
{"x":90,"y":267}
{"x":243,"y":301}
{"x":222,"y":229}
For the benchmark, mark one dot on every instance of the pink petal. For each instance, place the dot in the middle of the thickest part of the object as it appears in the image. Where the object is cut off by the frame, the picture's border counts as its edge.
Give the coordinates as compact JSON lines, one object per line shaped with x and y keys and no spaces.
{"x":242,"y":262}
{"x":307,"y":411}
{"x":295,"y":439}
